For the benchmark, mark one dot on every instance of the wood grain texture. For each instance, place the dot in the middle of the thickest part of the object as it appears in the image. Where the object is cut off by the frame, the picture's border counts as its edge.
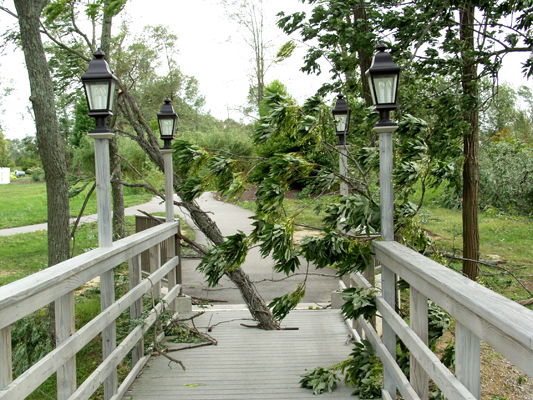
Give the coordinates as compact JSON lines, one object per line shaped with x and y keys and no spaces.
{"x":418,"y":319}
{"x":449,"y":384}
{"x":64,"y":328}
{"x":6,"y":363}
{"x":28,"y":381}
{"x":136,"y":309}
{"x":250,"y":364}
{"x":504,"y":324}
{"x":386,"y":193}
{"x":155,"y":263}
{"x":467,"y":358}
{"x":26,"y":295}
{"x":109,"y":365}
{"x":103,"y":192}
{"x":388,"y":289}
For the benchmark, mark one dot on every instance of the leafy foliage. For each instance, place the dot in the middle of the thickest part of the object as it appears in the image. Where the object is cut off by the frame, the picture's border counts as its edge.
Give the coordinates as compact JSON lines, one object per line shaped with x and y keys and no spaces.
{"x":224,"y":257}
{"x":281,"y":306}
{"x":32,"y":341}
{"x":364,"y":371}
{"x":506,"y":180}
{"x":319,"y":380}
{"x":358,"y":302}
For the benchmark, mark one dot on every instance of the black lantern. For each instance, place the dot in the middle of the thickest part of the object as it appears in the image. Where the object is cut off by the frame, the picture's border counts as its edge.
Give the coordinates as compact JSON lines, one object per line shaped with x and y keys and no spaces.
{"x":341,"y":114}
{"x":167,"y":123}
{"x":99,"y":84}
{"x":383,"y":76}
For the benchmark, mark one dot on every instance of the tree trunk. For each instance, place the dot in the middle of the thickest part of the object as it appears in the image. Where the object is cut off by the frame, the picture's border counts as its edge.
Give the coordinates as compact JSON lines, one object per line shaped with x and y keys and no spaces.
{"x":470,"y":140}
{"x":116,"y":171}
{"x":364,"y":53}
{"x":145,"y":138}
{"x":49,"y":140}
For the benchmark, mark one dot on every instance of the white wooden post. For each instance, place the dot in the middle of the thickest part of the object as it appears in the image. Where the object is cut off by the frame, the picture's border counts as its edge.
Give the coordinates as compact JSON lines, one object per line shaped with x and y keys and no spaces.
{"x":6,"y":363}
{"x":136,"y":309}
{"x":169,"y":207}
{"x":370,"y":276}
{"x":343,"y":168}
{"x":169,"y":184}
{"x":65,"y":327}
{"x":418,"y":319}
{"x":155,"y":262}
{"x":388,"y":278}
{"x":467,"y":359}
{"x":105,"y":239}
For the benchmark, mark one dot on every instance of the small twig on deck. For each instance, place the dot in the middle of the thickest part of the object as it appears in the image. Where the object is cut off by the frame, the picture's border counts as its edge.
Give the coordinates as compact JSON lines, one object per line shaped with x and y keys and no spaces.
{"x":292,"y":275}
{"x":161,"y":353}
{"x":192,"y":346}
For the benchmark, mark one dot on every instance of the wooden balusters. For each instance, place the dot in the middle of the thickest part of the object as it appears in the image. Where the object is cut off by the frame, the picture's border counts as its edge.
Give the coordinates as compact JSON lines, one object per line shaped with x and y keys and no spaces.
{"x":6,"y":363}
{"x":388,"y":288}
{"x":136,"y":309}
{"x":65,"y":327}
{"x":155,"y":263}
{"x":467,"y":358}
{"x":419,"y":324}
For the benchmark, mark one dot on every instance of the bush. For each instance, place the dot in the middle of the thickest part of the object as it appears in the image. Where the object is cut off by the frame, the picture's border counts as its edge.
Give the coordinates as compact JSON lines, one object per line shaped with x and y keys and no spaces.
{"x":232,"y":139}
{"x":37,"y":174}
{"x":506,"y":176}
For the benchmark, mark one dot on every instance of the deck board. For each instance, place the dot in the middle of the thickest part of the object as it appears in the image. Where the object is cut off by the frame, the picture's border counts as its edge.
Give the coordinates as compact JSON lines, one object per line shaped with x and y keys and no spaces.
{"x":249,"y":363}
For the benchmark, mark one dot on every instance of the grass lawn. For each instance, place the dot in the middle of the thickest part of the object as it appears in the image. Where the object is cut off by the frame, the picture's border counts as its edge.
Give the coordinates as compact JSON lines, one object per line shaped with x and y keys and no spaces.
{"x":25,"y":203}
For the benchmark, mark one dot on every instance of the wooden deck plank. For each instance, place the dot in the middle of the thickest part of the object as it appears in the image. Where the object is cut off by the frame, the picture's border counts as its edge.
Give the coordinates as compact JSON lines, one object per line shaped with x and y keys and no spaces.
{"x":249,"y":363}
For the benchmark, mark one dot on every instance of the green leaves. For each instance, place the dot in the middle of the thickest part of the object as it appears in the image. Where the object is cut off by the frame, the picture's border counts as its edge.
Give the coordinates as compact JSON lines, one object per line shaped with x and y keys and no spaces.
{"x":281,"y":306}
{"x":364,"y":371}
{"x":277,"y":238}
{"x":188,"y":157}
{"x":319,"y":380}
{"x":358,"y":301}
{"x":191,"y":188}
{"x":225,"y":257}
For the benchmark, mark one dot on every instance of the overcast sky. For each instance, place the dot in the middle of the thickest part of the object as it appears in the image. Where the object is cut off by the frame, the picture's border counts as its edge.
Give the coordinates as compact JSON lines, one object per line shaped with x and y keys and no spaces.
{"x":211,"y":48}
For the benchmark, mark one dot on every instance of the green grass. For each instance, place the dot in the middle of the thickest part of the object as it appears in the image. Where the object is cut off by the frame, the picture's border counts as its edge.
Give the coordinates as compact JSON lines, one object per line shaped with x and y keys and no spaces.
{"x":503,"y":238}
{"x":25,"y":203}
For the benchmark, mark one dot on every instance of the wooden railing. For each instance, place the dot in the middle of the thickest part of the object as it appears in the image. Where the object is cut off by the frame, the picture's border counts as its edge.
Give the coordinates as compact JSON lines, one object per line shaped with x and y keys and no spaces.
{"x":58,"y":284}
{"x":480,"y":314}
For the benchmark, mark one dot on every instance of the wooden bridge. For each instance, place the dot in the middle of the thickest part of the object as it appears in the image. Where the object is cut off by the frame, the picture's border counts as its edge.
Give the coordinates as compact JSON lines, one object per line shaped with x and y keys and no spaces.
{"x":246,"y":363}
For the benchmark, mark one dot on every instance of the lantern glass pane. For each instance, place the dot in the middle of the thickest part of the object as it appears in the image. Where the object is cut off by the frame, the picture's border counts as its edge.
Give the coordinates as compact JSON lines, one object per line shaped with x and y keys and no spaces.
{"x":385,"y":88}
{"x":166,"y":126}
{"x":340,"y":122}
{"x":371,"y":86}
{"x":97,"y":95}
{"x":112,"y":95}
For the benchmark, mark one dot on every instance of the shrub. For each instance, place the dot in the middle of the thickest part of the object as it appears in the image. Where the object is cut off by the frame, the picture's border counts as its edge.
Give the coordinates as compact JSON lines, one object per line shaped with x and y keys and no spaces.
{"x":37,"y":174}
{"x":506,"y":176}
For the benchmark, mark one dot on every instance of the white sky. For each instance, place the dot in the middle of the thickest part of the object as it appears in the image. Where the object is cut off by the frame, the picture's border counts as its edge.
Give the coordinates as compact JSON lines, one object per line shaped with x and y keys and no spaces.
{"x":211,"y":48}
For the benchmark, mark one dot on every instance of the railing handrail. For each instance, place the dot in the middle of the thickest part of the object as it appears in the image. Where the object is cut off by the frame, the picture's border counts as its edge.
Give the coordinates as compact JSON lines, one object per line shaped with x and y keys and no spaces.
{"x":26,"y":295}
{"x":480,"y":314}
{"x":506,"y":315}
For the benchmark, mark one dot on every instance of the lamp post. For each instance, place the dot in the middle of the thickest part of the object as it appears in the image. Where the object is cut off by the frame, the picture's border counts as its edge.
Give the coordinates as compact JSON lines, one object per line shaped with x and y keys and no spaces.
{"x":167,"y":119}
{"x":99,"y":84}
{"x":383,"y":76}
{"x":341,"y":115}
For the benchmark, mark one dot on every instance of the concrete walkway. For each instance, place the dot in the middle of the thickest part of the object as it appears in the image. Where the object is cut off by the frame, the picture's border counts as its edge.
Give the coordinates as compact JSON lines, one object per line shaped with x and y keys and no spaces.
{"x":230,"y":219}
